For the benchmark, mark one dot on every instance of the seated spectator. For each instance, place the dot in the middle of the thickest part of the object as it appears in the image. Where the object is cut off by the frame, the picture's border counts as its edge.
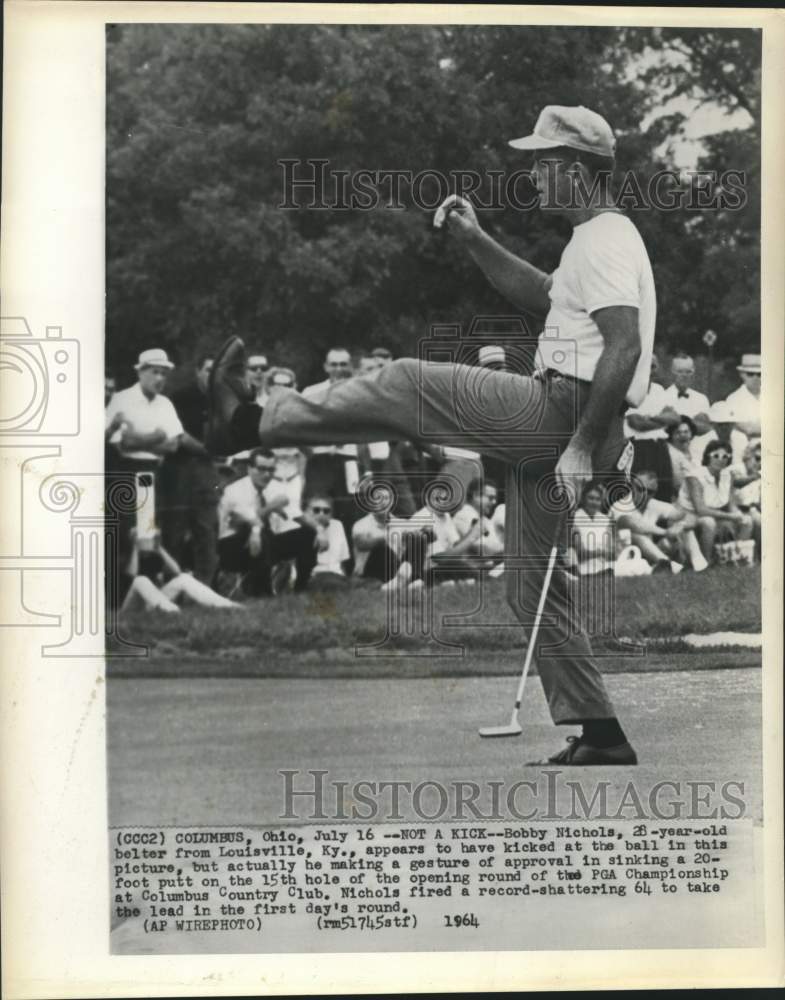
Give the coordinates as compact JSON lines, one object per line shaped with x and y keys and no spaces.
{"x":656,"y":526}
{"x":593,"y":547}
{"x":746,"y":483}
{"x":710,"y":506}
{"x":255,"y":534}
{"x":332,"y":548}
{"x":430,"y":533}
{"x":153,"y":580}
{"x":722,"y":429}
{"x":680,"y":436}
{"x":379,"y":540}
{"x":477,"y":531}
{"x":288,"y":480}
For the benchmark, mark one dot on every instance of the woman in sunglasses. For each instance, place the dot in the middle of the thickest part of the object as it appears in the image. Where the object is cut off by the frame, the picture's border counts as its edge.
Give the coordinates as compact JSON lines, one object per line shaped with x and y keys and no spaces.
{"x":708,"y":499}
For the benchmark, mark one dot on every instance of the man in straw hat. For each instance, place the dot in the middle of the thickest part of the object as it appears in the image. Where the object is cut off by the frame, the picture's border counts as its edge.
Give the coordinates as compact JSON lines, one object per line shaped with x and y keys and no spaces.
{"x":144,"y":424}
{"x":560,"y":428}
{"x":744,"y":402}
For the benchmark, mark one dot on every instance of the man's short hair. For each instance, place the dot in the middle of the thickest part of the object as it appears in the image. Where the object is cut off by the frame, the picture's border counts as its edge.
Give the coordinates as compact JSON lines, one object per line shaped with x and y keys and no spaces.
{"x":595,"y":486}
{"x":478,"y":484}
{"x":254,"y":453}
{"x":597,"y":165}
{"x":337,"y":350}
{"x":381,"y":352}
{"x":324,"y":497}
{"x":681,"y":356}
{"x":682,"y":420}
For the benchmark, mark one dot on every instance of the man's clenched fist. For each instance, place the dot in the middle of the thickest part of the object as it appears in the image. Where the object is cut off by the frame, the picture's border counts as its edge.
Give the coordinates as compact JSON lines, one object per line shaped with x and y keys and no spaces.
{"x":459,"y":215}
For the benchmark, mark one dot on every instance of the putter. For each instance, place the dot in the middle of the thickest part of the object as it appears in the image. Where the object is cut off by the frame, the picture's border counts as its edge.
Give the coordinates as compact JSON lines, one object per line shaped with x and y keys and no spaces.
{"x":513,"y":728}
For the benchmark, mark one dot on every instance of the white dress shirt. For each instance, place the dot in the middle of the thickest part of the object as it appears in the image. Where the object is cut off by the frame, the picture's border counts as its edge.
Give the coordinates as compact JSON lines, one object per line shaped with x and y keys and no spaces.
{"x":652,"y":406}
{"x":144,"y":416}
{"x":687,"y":406}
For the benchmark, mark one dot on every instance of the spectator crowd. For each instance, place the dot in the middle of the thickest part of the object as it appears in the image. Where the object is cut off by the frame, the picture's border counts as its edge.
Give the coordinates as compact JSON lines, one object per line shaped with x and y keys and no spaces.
{"x":216,"y":528}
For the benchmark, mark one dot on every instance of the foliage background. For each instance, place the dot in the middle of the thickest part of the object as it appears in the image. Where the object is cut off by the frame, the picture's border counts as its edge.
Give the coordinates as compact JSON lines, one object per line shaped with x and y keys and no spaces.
{"x":199,"y":115}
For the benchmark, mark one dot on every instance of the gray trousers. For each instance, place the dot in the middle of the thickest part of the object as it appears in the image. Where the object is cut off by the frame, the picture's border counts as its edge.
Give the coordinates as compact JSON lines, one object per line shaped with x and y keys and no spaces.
{"x":524,"y":422}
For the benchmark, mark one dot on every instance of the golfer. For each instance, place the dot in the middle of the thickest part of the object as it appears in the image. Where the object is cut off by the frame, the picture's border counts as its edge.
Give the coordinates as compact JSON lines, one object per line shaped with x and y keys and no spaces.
{"x":560,"y":427}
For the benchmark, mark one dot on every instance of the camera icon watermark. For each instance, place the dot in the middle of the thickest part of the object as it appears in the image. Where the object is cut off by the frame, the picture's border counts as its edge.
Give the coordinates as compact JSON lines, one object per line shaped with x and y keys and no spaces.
{"x":40,"y":381}
{"x":467,"y":397}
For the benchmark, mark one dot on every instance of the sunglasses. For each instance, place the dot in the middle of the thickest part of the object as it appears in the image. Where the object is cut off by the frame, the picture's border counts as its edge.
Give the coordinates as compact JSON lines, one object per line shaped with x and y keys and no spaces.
{"x":257,"y":368}
{"x":721,"y":454}
{"x":321,"y":510}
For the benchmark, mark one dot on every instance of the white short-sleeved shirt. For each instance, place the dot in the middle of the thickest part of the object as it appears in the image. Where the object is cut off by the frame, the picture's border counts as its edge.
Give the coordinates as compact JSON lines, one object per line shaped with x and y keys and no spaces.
{"x":744,"y":407}
{"x":683,"y":466}
{"x":491,"y":540}
{"x":686,"y":406}
{"x":715,"y":494}
{"x":604,"y":264}
{"x":464,"y":519}
{"x":652,"y":406}
{"x":446,"y":534}
{"x":240,"y":504}
{"x":738,"y":443}
{"x":654,"y":513}
{"x":749,"y":495}
{"x":292,"y":489}
{"x":337,"y":551}
{"x":145,"y":416}
{"x":370,"y":531}
{"x":596,"y":537}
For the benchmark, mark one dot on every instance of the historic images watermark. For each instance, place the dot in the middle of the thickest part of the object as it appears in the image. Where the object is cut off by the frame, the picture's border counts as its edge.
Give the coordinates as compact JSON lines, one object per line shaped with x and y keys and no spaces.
{"x":314,"y":795}
{"x":62,"y":526}
{"x":315,"y":185}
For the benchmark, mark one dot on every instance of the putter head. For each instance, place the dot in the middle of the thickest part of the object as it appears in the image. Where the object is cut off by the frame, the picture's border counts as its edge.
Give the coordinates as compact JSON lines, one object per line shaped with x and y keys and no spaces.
{"x":511,"y":729}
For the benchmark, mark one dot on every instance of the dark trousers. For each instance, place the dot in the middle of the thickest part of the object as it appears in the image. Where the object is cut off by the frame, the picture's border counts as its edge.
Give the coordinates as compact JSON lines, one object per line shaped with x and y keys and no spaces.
{"x":188,"y":513}
{"x":382,"y":563}
{"x":654,"y":456}
{"x":524,"y":422}
{"x":297,"y":544}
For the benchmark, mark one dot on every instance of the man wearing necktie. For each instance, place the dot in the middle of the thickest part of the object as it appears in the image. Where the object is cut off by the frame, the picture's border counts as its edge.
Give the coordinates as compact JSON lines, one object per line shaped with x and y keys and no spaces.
{"x":255,"y":533}
{"x":682,"y":399}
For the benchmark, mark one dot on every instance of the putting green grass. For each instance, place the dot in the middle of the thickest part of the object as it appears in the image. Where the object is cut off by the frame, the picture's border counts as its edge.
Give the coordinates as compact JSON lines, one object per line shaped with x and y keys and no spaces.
{"x":309,"y":631}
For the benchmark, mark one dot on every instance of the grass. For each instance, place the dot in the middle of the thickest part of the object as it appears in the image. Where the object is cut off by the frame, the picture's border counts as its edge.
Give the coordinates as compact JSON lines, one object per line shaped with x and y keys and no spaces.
{"x":324,"y":627}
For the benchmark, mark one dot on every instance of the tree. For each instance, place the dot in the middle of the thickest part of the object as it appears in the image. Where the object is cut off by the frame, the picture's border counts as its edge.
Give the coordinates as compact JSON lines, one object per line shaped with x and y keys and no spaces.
{"x":199,"y":118}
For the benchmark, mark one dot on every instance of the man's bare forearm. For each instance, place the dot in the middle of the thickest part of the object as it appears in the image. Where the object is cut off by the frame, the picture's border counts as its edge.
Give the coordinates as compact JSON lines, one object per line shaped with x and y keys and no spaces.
{"x":522,"y":284}
{"x":612,"y":376}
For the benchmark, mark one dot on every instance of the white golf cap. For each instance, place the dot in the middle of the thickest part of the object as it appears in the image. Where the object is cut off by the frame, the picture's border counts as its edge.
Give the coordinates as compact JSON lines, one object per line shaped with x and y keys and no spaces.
{"x":490,"y":354}
{"x":155,"y":357}
{"x":721,"y":412}
{"x":749,"y":363}
{"x":578,"y":128}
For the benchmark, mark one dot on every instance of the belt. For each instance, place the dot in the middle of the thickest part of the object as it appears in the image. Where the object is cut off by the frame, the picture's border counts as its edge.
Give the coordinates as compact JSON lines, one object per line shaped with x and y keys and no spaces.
{"x":548,"y":374}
